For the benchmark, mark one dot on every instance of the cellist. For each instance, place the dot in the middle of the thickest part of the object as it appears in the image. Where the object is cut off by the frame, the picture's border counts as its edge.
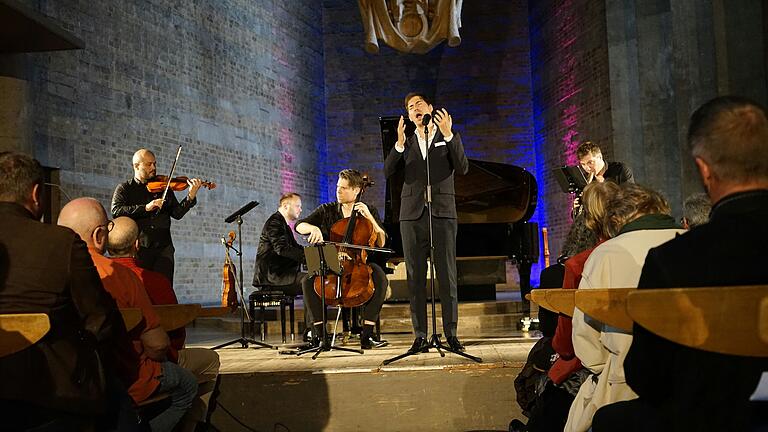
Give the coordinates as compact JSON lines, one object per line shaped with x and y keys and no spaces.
{"x":317,"y":228}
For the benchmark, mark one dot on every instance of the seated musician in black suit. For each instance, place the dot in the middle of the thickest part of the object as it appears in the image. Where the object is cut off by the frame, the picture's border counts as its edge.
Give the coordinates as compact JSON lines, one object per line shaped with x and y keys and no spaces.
{"x":279,"y":257}
{"x":317,"y":226}
{"x":681,"y":388}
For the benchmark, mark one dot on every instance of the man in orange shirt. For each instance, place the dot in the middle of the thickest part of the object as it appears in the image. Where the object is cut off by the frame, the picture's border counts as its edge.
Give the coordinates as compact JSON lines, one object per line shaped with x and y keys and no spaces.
{"x":204,"y":363}
{"x":148,"y":370}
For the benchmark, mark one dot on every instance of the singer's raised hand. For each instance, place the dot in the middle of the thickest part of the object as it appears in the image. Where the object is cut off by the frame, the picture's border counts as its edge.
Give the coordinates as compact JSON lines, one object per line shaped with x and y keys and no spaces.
{"x":444,"y":122}
{"x":400,"y":144}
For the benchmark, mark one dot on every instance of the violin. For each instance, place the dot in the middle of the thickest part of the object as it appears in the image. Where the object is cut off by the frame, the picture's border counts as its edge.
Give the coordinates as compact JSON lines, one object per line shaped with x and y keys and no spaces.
{"x":356,"y":281}
{"x":228,"y":292}
{"x":159,"y":183}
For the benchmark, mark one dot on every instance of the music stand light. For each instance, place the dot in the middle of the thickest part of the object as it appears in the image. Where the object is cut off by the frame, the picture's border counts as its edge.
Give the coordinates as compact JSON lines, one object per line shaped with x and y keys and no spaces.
{"x":570,"y":178}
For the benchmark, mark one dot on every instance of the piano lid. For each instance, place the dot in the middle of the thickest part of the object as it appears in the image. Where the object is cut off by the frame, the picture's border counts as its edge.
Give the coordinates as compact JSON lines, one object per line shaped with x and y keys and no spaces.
{"x":490,"y":192}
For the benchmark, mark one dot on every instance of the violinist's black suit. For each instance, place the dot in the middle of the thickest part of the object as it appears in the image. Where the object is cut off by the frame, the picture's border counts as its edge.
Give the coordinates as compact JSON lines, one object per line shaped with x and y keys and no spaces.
{"x":445,"y":158}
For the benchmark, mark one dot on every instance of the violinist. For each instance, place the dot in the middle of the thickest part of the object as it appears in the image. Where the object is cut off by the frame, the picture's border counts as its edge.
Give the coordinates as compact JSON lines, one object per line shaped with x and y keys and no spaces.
{"x":317,"y":228}
{"x":151,"y":213}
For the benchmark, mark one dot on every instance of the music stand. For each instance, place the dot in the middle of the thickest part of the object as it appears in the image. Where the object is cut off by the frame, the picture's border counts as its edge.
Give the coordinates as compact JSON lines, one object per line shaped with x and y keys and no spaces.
{"x":242,"y":340}
{"x":434,"y":340}
{"x":322,"y":260}
{"x":570,"y":178}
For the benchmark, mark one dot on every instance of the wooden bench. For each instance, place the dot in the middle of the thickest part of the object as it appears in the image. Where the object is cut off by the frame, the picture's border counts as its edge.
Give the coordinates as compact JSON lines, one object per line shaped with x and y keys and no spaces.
{"x":563,"y":300}
{"x":607,"y":305}
{"x":19,"y":331}
{"x":726,"y":320}
{"x":539,"y":296}
{"x":131,"y":317}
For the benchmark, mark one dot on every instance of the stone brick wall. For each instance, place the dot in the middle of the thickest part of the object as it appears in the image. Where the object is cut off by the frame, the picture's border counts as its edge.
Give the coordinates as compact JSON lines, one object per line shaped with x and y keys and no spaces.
{"x":238,"y":83}
{"x":571,"y":97}
{"x":484,"y":83}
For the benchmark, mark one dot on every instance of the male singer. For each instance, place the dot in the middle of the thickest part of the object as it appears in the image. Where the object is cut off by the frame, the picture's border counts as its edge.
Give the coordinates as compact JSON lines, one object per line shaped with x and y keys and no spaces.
{"x":446,"y":154}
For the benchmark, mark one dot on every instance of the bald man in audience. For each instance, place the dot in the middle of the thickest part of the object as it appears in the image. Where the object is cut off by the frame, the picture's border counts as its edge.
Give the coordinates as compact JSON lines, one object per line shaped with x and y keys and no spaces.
{"x":46,"y":269}
{"x":204,"y":363}
{"x":685,"y":389}
{"x":149,"y":372}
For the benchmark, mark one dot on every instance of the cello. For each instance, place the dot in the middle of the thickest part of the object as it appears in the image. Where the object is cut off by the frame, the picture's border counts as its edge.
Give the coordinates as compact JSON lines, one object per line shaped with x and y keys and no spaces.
{"x":356,"y":282}
{"x":228,"y":281}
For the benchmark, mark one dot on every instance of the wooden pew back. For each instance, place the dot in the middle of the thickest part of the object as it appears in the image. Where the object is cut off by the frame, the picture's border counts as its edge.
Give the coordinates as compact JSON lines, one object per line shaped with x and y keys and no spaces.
{"x":607,"y":305}
{"x":726,"y":320}
{"x":19,"y":331}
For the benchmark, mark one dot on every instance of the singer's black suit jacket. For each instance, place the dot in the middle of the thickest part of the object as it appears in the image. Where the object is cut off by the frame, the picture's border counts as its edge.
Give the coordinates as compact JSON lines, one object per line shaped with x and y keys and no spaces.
{"x":444,"y":159}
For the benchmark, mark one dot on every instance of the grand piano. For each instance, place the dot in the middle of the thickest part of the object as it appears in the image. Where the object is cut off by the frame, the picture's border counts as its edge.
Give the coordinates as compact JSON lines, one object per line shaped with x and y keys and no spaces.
{"x":494,"y":202}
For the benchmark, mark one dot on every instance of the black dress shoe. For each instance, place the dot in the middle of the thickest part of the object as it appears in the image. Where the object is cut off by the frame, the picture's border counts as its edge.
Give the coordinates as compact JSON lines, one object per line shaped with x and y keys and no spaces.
{"x":368,"y":342}
{"x":420,"y":344}
{"x":454,"y":343}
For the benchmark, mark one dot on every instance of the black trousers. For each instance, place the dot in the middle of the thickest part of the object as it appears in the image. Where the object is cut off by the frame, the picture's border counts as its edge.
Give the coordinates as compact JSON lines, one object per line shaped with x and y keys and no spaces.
{"x":158,"y":259}
{"x":371,"y":308}
{"x":415,"y":236}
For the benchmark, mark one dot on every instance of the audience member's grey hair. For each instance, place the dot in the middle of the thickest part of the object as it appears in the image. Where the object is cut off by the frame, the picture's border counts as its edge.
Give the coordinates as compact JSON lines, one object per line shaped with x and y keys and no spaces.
{"x":579,"y":238}
{"x":696,"y":209}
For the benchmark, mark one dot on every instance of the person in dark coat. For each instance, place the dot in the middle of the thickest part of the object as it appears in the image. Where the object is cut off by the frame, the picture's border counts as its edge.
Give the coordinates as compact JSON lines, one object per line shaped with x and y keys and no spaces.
{"x":681,"y":388}
{"x":59,"y":381}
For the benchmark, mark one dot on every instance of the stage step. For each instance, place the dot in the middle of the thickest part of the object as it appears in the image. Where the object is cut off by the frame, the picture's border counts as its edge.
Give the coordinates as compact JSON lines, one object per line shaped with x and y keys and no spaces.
{"x":460,"y":398}
{"x":474,"y":318}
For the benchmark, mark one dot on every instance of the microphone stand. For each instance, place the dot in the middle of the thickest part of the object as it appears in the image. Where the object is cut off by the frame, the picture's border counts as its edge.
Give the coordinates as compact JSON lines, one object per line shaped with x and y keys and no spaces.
{"x":244,"y":341}
{"x":434,"y":340}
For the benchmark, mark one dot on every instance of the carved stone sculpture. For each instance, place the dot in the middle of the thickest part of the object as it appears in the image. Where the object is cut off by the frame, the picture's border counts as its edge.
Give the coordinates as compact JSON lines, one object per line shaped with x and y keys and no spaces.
{"x":410,"y":26}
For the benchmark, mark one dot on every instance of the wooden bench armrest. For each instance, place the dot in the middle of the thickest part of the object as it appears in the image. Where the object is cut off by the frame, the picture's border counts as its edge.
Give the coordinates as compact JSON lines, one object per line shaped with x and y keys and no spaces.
{"x":607,"y":305}
{"x":539,"y":296}
{"x":131,"y":317}
{"x":19,"y":331}
{"x":726,"y":320}
{"x":176,"y":316}
{"x":563,"y":300}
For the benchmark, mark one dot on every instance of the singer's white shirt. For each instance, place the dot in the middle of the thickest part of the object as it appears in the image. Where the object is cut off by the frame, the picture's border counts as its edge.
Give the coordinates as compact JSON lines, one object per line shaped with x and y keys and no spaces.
{"x":423,"y":142}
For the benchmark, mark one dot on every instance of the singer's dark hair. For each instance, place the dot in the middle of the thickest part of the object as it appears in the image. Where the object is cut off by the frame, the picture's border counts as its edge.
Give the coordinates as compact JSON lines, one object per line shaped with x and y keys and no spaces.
{"x":20,"y":174}
{"x":412,"y":95}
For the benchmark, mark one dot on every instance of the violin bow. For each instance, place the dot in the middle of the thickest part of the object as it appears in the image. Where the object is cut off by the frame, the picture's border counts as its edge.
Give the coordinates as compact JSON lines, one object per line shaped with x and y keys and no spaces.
{"x":170,"y":177}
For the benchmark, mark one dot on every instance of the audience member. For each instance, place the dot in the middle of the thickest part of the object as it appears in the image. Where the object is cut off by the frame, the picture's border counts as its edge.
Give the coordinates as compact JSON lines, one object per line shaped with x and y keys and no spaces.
{"x":696,"y":210}
{"x":680,"y":388}
{"x":44,"y":268}
{"x":204,"y":363}
{"x":146,"y":369}
{"x":566,"y":375}
{"x":636,"y":219}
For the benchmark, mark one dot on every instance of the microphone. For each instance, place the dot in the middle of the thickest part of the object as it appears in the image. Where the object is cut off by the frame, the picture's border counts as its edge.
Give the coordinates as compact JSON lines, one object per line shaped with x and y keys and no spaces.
{"x":426,"y":119}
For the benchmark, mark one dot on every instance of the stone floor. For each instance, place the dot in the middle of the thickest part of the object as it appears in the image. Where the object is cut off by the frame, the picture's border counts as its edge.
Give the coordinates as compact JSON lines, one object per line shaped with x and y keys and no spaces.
{"x":262,"y":389}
